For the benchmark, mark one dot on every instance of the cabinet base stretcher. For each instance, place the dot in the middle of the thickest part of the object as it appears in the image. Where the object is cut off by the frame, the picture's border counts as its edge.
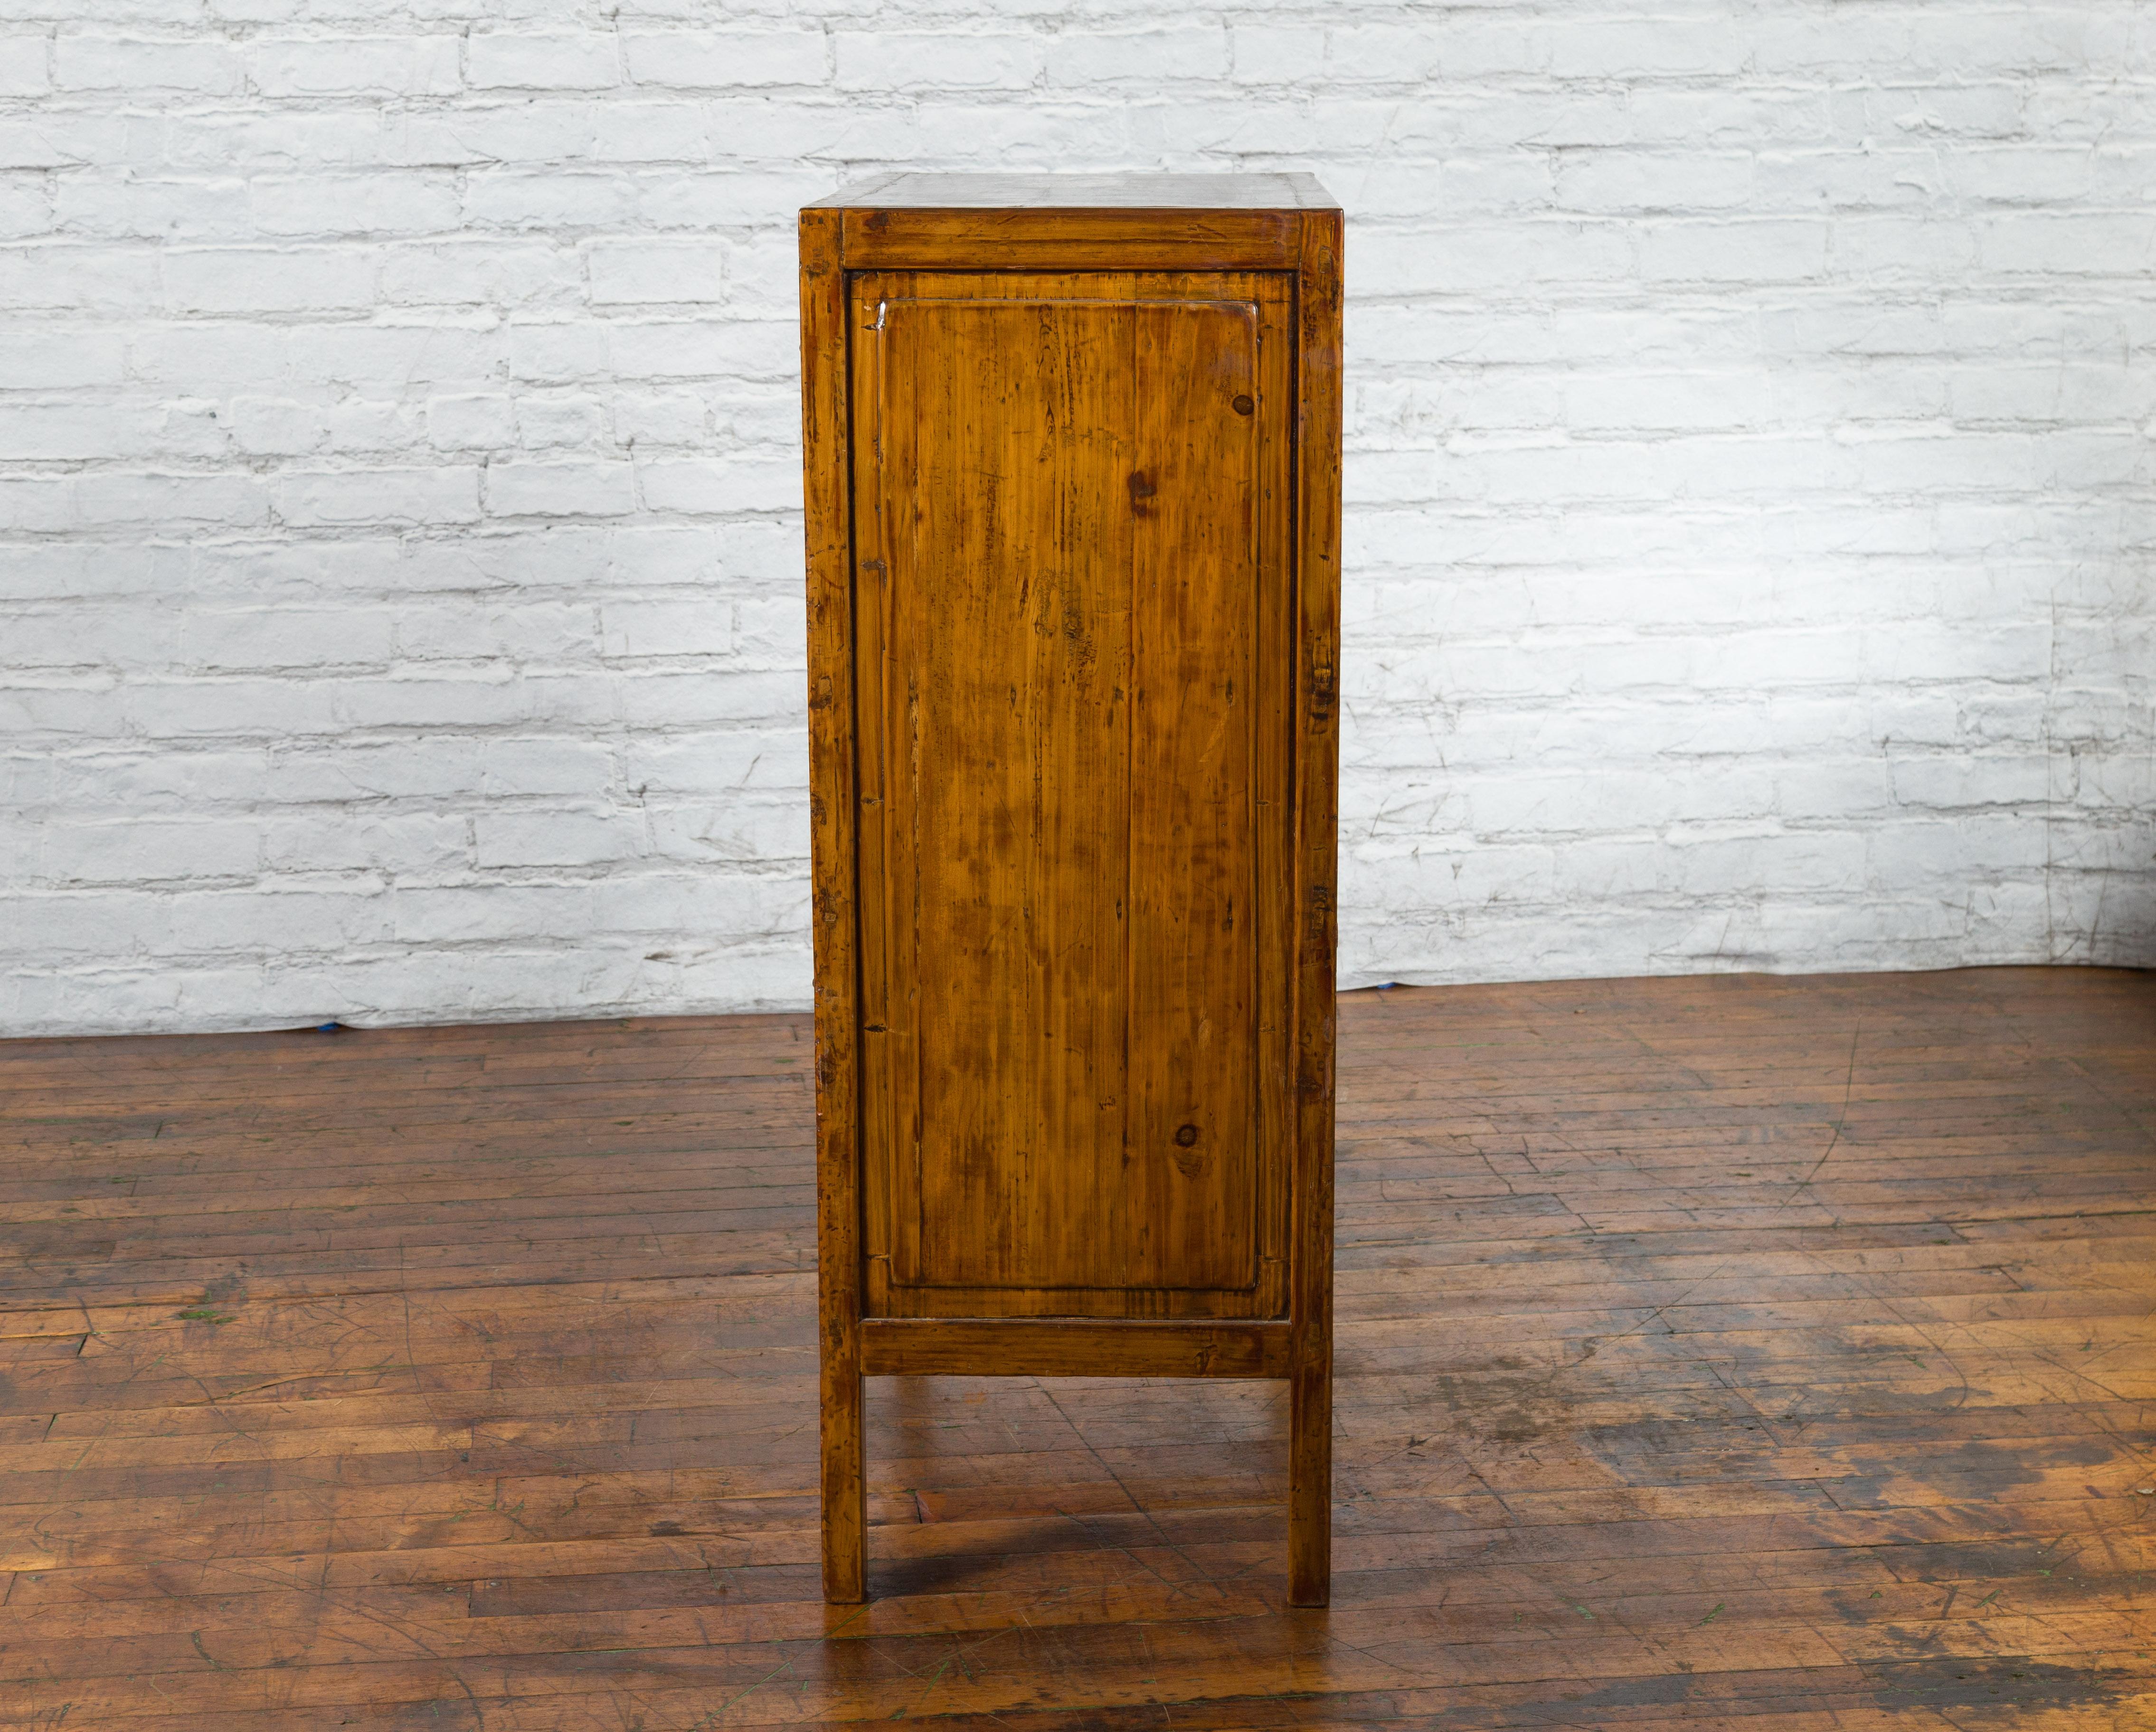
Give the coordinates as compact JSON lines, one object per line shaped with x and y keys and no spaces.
{"x":1075,"y":1347}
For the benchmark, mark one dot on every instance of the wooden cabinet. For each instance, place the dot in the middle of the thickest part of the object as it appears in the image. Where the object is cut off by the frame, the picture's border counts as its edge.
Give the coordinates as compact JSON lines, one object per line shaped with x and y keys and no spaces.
{"x":1072,"y":456}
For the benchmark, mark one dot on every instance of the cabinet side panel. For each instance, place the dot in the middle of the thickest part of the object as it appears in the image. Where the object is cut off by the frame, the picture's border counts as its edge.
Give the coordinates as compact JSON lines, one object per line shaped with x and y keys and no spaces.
{"x":1188,"y":1196}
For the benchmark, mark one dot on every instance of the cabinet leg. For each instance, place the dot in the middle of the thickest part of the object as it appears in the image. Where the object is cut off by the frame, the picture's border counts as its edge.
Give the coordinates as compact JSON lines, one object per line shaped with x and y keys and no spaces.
{"x":845,"y":1503}
{"x":1310,"y":1484}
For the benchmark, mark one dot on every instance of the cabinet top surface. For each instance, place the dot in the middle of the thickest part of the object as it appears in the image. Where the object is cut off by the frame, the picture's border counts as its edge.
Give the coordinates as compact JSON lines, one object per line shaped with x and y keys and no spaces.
{"x":1082,"y":191}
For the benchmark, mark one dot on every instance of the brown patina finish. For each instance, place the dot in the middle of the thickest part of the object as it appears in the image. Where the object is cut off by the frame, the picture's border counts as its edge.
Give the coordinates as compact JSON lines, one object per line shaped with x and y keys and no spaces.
{"x":1072,"y":452}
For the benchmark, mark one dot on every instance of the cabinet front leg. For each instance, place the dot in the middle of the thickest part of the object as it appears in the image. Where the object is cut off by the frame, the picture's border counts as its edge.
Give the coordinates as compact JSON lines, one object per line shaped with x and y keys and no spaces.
{"x":1310,"y":1481}
{"x":845,"y":1502}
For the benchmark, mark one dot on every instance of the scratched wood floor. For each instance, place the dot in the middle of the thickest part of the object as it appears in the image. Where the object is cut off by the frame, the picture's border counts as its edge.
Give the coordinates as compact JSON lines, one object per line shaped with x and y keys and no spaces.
{"x":1737,"y":1352}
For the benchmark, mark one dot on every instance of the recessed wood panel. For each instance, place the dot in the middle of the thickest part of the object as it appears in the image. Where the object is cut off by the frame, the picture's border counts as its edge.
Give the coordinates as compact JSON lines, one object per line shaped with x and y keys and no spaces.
{"x":1074,"y":714}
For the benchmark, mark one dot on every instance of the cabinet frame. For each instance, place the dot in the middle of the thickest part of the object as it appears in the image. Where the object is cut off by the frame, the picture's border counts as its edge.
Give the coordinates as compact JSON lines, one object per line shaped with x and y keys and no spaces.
{"x":1277,"y":224}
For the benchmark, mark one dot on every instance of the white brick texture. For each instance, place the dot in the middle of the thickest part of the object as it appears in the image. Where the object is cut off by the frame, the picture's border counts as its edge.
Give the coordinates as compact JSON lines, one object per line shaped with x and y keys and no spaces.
{"x":1751,"y":534}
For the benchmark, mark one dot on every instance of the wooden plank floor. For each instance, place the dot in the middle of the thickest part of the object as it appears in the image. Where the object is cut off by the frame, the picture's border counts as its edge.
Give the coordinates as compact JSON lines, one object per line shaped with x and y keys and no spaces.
{"x":1737,"y":1352}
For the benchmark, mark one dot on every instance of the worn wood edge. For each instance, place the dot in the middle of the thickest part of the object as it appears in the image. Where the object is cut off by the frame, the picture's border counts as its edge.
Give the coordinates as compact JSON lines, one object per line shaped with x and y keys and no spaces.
{"x":826,"y":500}
{"x":1066,"y":1347}
{"x":1318,"y":393}
{"x":1079,"y":237}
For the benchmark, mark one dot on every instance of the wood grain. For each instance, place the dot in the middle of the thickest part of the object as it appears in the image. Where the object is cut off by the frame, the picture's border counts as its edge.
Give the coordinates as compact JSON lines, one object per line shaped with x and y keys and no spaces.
{"x":1751,"y":1352}
{"x":1061,"y":839}
{"x":1067,"y":1347}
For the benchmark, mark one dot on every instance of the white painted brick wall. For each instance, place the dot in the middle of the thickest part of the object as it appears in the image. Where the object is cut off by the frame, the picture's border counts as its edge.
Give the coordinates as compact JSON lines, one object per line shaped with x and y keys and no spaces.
{"x":1752,"y":541}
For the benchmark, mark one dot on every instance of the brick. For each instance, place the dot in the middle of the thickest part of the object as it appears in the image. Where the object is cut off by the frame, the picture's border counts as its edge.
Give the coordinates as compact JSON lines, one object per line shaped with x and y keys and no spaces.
{"x":563,"y":836}
{"x":477,"y":421}
{"x":743,"y":829}
{"x":155,"y":208}
{"x":267,"y":280}
{"x":106,"y":498}
{"x":319,"y":206}
{"x":705,"y":60}
{"x":649,"y":132}
{"x":26,"y":206}
{"x":722,"y":197}
{"x":541,"y":60}
{"x":519,"y":198}
{"x":411,"y":843}
{"x":1276,"y":54}
{"x":890,"y":60}
{"x":482,"y":273}
{"x":1621,"y":49}
{"x":465,"y":913}
{"x":151,"y":851}
{"x":334,"y":497}
{"x":1478,"y":257}
{"x":517,"y":767}
{"x":687,"y":901}
{"x":550,"y":631}
{"x":142,"y":63}
{"x":630,"y":272}
{"x":434,"y":348}
{"x":671,"y":700}
{"x":2099,"y":243}
{"x":231,"y":640}
{"x":554,"y":419}
{"x":23,"y":58}
{"x":1761,"y":251}
{"x":648,"y":419}
{"x":738,"y":348}
{"x":278,"y":426}
{"x":718,"y":763}
{"x":1463,"y":49}
{"x":560,"y":489}
{"x":60,"y":432}
{"x":773,"y":631}
{"x":105,"y":923}
{"x":1639,"y":180}
{"x":704,"y":485}
{"x":415,"y":65}
{"x":639,"y":628}
{"x":75,"y":280}
{"x":1083,"y":59}
{"x":50,"y":141}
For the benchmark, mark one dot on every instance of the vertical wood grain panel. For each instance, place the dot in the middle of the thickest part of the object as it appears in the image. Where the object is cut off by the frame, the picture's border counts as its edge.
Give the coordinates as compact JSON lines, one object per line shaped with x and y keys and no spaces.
{"x":1012,"y":581}
{"x":1275,"y":784}
{"x":1188,"y":1201}
{"x":1062,"y":519}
